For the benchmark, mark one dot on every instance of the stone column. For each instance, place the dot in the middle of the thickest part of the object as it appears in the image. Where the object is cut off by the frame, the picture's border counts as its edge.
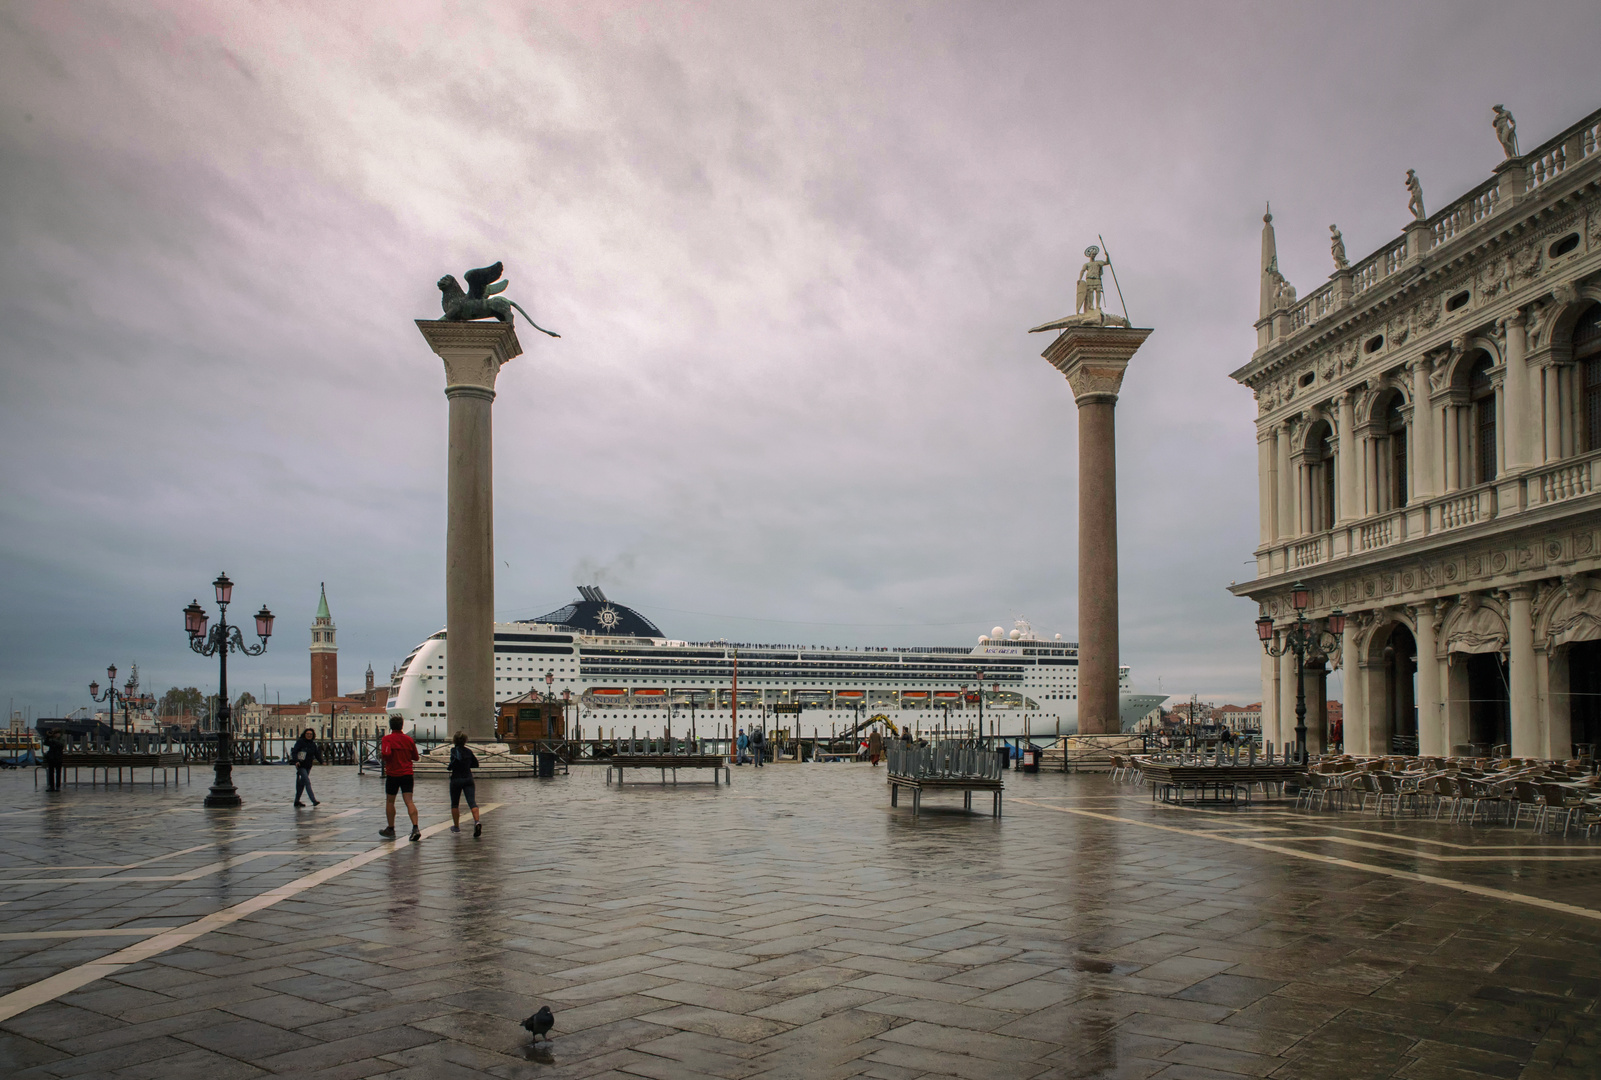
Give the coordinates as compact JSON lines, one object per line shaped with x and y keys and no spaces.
{"x":1422,"y":464}
{"x":473,"y":353}
{"x":1286,"y":696}
{"x":1355,"y":703}
{"x":1526,"y":741}
{"x":1349,"y":463}
{"x":1265,"y":445}
{"x":1286,"y":485}
{"x":1519,"y":405}
{"x":1094,"y":359}
{"x":1431,"y":722}
{"x":1551,"y":427}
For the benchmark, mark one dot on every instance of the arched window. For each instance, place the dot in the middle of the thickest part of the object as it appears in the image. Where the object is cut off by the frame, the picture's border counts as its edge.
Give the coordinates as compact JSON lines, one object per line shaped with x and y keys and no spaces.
{"x":1392,"y":455}
{"x":1587,"y":355}
{"x":1320,"y":477}
{"x":1482,"y":392}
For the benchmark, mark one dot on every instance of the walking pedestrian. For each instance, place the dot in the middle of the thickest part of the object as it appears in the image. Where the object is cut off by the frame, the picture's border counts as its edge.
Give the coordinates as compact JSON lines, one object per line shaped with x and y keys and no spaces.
{"x":757,"y":745}
{"x":744,"y":747}
{"x":54,"y":767}
{"x":875,"y":747}
{"x":305,"y":754}
{"x":462,"y":763}
{"x":397,"y":752}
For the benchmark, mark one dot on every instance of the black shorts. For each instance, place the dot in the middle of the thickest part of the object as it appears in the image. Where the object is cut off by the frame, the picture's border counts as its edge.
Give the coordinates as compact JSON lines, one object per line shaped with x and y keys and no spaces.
{"x":394,"y":785}
{"x":460,"y":787}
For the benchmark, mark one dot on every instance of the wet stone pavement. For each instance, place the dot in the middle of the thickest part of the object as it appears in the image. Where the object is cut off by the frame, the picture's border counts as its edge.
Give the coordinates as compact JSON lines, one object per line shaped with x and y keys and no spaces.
{"x":792,"y":925}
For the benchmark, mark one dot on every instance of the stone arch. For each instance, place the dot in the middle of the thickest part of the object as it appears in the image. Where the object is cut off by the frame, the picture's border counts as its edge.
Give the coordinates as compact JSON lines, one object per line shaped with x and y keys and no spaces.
{"x":1570,"y":303}
{"x":1389,"y":674}
{"x":1465,"y":356}
{"x":1378,"y":394}
{"x":1478,"y":696}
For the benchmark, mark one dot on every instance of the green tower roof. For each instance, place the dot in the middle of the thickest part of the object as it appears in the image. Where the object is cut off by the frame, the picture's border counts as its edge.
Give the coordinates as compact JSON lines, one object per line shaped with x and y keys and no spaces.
{"x":322,"y":604}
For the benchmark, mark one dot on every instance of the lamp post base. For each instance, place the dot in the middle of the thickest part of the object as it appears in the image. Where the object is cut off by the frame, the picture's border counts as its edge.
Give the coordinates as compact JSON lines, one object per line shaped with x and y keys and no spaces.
{"x":223,"y":794}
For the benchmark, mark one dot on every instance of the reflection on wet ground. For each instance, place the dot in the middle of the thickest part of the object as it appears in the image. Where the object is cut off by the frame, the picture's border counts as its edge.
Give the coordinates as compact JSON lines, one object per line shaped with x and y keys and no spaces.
{"x":790,"y":925}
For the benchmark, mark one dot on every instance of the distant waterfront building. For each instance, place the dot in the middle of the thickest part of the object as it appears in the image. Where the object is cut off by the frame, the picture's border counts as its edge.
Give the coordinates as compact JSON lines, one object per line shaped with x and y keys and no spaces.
{"x":1429,"y":435}
{"x":1239,"y":717}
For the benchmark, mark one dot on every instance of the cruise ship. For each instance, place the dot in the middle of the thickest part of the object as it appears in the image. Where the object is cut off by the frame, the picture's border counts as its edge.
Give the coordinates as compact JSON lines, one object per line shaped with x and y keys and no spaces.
{"x":626,"y":677}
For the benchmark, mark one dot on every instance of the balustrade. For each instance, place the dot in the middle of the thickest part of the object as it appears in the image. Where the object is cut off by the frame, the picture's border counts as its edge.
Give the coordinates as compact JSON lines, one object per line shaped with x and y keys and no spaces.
{"x":1567,"y":481}
{"x":1307,"y":552}
{"x":1547,"y":166}
{"x":1462,"y":510}
{"x":1394,"y":257}
{"x":1376,"y":534}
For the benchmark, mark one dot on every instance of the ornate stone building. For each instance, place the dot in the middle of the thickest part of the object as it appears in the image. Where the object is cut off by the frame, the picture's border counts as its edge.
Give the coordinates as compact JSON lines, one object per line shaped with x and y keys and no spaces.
{"x":1429,"y":436}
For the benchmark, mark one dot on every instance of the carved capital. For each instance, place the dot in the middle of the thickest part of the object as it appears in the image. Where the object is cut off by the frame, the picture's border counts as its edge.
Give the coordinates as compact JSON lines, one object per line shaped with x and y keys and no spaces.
{"x":1094,"y":359}
{"x":472,"y":351}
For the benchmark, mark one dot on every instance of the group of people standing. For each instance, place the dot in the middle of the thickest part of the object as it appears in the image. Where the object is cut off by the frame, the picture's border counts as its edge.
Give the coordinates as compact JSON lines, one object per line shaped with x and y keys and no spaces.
{"x":752,"y":745}
{"x":396,"y":752}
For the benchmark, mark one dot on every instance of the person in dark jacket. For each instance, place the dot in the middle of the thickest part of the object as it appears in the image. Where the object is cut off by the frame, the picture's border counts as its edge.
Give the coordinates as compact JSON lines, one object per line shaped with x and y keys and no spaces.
{"x":305,"y":754}
{"x":54,"y":767}
{"x":758,"y":745}
{"x":462,"y":763}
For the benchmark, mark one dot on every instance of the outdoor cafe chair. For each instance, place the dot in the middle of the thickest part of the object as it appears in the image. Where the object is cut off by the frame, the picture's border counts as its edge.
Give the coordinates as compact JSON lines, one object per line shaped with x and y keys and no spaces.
{"x":1557,"y":800}
{"x":1527,"y":799}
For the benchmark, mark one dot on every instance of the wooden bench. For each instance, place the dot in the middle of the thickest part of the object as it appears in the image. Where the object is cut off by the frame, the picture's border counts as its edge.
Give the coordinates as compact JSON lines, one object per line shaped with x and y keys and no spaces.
{"x":96,"y":761}
{"x":965,"y":784}
{"x":667,"y":763}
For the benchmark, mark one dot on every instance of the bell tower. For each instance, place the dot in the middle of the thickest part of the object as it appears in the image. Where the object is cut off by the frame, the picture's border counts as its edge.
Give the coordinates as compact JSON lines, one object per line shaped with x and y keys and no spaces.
{"x":324,"y":653}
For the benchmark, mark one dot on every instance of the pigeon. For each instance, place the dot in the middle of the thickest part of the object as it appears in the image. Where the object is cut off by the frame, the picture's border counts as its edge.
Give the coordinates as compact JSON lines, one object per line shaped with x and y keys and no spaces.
{"x":541,"y":1022}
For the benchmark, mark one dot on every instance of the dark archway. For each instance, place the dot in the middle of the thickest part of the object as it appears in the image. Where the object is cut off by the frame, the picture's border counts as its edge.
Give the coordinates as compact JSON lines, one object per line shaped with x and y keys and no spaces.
{"x":1489,"y":698}
{"x":1584,"y":691}
{"x":1400,"y":656}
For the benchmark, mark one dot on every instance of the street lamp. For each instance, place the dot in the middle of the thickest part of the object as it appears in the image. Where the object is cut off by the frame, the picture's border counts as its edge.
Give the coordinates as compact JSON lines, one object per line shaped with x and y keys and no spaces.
{"x":1302,"y":637}
{"x":219,"y":641}
{"x":979,"y":674}
{"x":112,"y":696}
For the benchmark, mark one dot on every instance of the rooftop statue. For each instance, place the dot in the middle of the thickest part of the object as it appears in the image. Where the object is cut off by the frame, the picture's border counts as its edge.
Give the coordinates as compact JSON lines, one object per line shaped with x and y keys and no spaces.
{"x":1087,"y":308}
{"x":480,"y":301}
{"x":1090,"y":294}
{"x":1337,"y":248}
{"x":1414,"y":201}
{"x":1506,"y":129}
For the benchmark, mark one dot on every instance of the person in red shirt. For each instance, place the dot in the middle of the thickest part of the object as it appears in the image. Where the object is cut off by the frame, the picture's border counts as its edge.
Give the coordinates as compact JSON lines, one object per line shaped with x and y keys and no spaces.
{"x":397,"y":752}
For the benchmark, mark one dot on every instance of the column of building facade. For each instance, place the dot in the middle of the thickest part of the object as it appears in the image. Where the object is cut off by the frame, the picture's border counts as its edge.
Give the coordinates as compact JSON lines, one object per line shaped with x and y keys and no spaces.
{"x":1355,"y":690}
{"x":1431,"y":725}
{"x":1520,"y":407}
{"x":1286,"y":695}
{"x":1348,"y":467}
{"x":1266,"y":445}
{"x":1421,"y":467}
{"x":1286,"y":479}
{"x":1526,"y":739}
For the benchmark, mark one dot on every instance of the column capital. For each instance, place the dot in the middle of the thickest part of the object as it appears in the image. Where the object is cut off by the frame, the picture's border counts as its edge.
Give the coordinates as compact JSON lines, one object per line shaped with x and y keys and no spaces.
{"x":1094,"y":359}
{"x":472,"y":351}
{"x":1518,"y":317}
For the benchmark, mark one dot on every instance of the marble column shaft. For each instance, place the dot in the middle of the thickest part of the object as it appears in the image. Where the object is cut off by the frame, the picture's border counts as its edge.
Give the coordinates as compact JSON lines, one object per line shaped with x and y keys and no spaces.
{"x":1094,"y":359}
{"x":1431,"y":720}
{"x":1286,"y":478}
{"x":1421,"y":466}
{"x":473,"y":353}
{"x":1526,"y":741}
{"x":1519,"y":404}
{"x":1349,"y":463}
{"x":1355,"y":690}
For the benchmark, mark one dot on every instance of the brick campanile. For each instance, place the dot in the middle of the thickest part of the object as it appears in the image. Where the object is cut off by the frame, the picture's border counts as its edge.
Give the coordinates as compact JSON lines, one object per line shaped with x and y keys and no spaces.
{"x":324,"y":654}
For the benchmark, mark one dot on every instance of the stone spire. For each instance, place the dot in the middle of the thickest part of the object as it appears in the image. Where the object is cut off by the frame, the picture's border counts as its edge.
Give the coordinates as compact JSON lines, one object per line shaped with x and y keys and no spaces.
{"x":1270,"y":263}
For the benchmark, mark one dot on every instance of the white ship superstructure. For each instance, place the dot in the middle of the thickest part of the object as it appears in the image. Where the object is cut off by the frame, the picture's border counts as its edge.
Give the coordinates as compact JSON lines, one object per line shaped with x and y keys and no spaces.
{"x":624,"y":675}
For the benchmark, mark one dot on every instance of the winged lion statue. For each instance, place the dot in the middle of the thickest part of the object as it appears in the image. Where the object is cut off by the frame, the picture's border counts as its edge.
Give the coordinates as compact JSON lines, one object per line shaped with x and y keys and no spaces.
{"x":480,"y":301}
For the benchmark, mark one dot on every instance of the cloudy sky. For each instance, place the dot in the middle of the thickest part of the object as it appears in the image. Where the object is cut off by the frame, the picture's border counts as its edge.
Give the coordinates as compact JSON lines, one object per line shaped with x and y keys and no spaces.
{"x":793,"y":251}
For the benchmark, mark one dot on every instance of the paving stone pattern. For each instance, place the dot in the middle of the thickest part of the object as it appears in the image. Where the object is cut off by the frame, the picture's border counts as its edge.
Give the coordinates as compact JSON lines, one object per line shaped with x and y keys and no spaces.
{"x":792,"y":925}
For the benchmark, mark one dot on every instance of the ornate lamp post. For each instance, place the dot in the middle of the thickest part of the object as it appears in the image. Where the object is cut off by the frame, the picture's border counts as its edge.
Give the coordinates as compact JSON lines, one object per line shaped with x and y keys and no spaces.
{"x":1303,"y":636}
{"x":112,"y":696}
{"x":219,"y":641}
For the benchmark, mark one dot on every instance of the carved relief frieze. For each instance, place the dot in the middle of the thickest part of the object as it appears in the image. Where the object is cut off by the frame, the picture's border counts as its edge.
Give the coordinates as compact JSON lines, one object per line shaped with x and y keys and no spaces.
{"x":1575,"y":612}
{"x":1498,"y":562}
{"x":1427,"y":314}
{"x":1492,"y":277}
{"x":1526,"y":262}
